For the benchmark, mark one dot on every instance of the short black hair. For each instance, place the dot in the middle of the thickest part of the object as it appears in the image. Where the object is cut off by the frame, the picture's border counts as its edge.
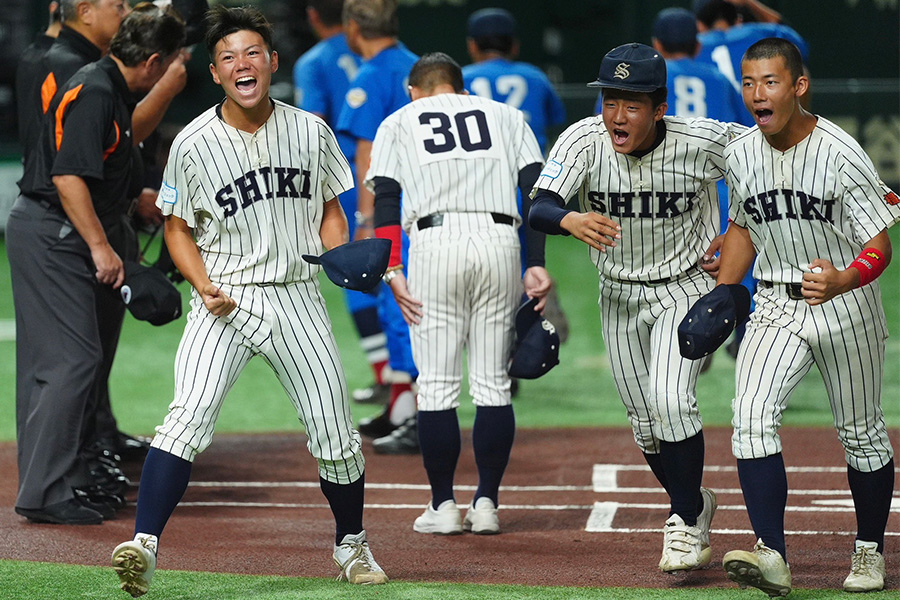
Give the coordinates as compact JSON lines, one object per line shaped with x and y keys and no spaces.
{"x":330,"y":11}
{"x":434,"y":69}
{"x":495,"y":43}
{"x":222,"y":21}
{"x":771,"y":47}
{"x":657,"y":96}
{"x":146,"y":31}
{"x":688,"y":48}
{"x":718,"y":9}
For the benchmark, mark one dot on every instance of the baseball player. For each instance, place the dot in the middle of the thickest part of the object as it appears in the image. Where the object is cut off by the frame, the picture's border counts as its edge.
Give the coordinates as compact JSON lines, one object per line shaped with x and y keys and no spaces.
{"x":62,"y":259}
{"x":458,"y":158}
{"x":380,"y":88}
{"x":647,"y":185}
{"x":322,"y":77}
{"x":809,"y":206}
{"x":251,"y":185}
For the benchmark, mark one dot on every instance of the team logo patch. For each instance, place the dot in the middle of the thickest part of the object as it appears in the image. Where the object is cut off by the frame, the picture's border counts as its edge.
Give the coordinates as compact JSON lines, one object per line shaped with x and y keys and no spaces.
{"x":356,"y":97}
{"x":168,"y":194}
{"x":552,"y":170}
{"x":892,"y":198}
{"x":622,"y":71}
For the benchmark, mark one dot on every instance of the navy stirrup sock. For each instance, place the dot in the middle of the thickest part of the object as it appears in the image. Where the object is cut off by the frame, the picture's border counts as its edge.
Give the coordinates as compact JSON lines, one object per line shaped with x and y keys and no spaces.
{"x":164,"y":479}
{"x":682,"y":463}
{"x":872,"y":494}
{"x":439,"y":440}
{"x":346,"y":501}
{"x":764,"y":484}
{"x":492,"y":439}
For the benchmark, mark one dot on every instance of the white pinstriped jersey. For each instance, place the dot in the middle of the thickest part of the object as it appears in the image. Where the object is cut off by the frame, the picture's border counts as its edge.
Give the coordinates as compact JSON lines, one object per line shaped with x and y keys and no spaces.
{"x":255,"y":201}
{"x":665,"y":201}
{"x":465,"y":155}
{"x":820,"y":199}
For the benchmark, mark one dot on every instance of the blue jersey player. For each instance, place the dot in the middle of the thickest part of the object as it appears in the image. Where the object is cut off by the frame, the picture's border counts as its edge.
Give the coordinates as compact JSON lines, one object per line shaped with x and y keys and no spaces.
{"x":322,"y":77}
{"x":379,"y":89}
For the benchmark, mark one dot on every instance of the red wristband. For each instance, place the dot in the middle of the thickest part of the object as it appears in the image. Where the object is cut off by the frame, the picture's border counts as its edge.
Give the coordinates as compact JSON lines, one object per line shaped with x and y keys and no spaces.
{"x":870,"y":264}
{"x":391,"y":232}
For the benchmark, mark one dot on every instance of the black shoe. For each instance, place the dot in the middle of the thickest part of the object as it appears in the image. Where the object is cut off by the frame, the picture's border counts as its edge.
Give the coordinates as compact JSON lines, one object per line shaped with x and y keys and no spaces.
{"x":131,"y":447}
{"x":378,"y":393}
{"x":98,"y":502}
{"x":67,"y":512}
{"x":96,"y":494}
{"x":377,"y":426}
{"x":109,"y":478}
{"x":403,"y":440}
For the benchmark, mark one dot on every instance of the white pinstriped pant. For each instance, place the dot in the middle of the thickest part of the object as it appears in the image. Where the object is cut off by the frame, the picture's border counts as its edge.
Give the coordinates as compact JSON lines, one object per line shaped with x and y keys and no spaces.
{"x":467,"y":274}
{"x":844,"y":338}
{"x":640,"y":330}
{"x":287,"y":325}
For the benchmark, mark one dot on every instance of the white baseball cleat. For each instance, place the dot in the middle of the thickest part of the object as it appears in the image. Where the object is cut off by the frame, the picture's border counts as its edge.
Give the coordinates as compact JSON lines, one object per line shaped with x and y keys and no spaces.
{"x":481,"y":518}
{"x":682,"y":547}
{"x":135,"y":561}
{"x":355,"y":560}
{"x":704,"y":522}
{"x":866,"y":569}
{"x":762,"y":568}
{"x":443,"y":521}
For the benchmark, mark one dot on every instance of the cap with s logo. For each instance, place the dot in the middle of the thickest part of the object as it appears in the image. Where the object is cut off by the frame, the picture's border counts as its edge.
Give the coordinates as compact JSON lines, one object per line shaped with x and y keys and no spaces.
{"x":632,"y":67}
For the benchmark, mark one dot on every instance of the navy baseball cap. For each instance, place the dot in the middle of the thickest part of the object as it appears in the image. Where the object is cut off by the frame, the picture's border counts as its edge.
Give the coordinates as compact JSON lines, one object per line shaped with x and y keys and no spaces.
{"x":149,"y":295}
{"x":491,"y":21}
{"x":711,"y":320}
{"x":632,"y":67}
{"x":358,"y":265}
{"x":675,"y":27}
{"x":537,"y":343}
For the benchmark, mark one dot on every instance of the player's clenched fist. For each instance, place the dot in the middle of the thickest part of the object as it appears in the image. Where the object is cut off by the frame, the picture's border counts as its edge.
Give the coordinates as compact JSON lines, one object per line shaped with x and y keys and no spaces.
{"x":216,"y":301}
{"x":593,"y":229}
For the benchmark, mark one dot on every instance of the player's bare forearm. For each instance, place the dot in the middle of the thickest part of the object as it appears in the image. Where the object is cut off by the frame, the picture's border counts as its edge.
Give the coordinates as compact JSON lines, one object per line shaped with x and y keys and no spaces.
{"x":537,"y":284}
{"x":334,"y":230}
{"x":595,"y":230}
{"x":186,"y":256}
{"x":825,"y":281}
{"x":736,"y":255}
{"x":76,"y":202}
{"x":365,"y":199}
{"x":409,"y":306}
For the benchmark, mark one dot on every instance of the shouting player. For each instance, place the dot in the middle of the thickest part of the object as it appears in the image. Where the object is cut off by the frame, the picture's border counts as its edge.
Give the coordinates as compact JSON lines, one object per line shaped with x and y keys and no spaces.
{"x":250,"y":186}
{"x":458,"y":159}
{"x":809,"y":206}
{"x":647,"y":185}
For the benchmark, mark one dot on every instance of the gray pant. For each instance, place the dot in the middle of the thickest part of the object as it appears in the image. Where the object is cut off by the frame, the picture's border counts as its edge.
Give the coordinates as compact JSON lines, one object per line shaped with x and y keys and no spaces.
{"x":58,"y":349}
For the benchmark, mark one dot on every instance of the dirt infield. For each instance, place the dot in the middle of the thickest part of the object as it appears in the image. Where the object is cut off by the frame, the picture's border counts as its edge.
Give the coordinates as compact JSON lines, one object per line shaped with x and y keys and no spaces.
{"x":254,"y":506}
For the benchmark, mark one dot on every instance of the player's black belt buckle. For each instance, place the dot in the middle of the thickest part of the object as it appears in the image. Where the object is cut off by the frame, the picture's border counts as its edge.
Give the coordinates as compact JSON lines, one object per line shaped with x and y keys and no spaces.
{"x":437,"y":219}
{"x":794,"y":290}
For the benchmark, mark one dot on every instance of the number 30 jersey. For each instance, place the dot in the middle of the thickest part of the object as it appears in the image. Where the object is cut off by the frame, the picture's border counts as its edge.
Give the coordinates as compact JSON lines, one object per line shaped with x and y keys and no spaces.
{"x":454,"y":153}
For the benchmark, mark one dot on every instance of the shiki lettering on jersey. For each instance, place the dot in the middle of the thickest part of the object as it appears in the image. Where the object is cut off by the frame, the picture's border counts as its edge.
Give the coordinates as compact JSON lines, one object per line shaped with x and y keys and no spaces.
{"x":775,"y":205}
{"x":264,"y":183}
{"x":641,"y":205}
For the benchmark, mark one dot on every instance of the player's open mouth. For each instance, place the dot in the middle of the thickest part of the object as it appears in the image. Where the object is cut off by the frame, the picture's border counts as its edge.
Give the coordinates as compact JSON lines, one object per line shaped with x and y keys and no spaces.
{"x":245,"y":84}
{"x":763,"y":116}
{"x":620,"y":136}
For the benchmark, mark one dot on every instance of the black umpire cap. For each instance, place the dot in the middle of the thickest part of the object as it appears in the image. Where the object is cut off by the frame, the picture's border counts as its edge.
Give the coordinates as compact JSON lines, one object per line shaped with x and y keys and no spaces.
{"x":633,"y":68}
{"x":149,"y":294}
{"x":358,"y":265}
{"x":491,"y":21}
{"x":711,"y":320}
{"x":537,"y":343}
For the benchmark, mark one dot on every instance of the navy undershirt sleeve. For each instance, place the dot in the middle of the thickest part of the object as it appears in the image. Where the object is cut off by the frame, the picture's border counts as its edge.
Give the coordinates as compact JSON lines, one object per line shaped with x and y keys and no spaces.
{"x":547,"y":210}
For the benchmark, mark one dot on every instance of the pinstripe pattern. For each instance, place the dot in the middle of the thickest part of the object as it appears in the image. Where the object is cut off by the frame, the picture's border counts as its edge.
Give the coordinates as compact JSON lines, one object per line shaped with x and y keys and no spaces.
{"x":820,"y":199}
{"x":665,"y":201}
{"x":255,"y":202}
{"x":467,"y":272}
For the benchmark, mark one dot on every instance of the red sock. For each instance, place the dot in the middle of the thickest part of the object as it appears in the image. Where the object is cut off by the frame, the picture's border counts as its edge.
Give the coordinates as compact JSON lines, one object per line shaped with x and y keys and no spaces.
{"x":378,"y":368}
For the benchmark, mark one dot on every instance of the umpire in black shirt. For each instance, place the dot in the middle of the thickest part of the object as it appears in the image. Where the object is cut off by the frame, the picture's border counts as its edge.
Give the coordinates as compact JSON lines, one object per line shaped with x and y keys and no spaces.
{"x":60,"y":256}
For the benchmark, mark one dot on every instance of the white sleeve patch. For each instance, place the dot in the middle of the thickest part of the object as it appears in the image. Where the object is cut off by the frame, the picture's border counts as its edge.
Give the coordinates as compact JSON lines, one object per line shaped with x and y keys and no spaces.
{"x":552,"y":170}
{"x":168,"y":194}
{"x":356,"y":97}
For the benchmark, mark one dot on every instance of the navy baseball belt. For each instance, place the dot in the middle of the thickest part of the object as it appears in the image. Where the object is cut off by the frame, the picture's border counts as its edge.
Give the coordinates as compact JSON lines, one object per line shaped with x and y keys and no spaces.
{"x":793,"y":290}
{"x":437,"y":219}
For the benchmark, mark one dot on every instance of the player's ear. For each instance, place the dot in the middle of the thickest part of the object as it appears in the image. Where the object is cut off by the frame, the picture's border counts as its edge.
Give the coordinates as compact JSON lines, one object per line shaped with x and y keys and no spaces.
{"x":215,"y":74}
{"x":801,"y":86}
{"x":660,"y":111}
{"x":273,"y":60}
